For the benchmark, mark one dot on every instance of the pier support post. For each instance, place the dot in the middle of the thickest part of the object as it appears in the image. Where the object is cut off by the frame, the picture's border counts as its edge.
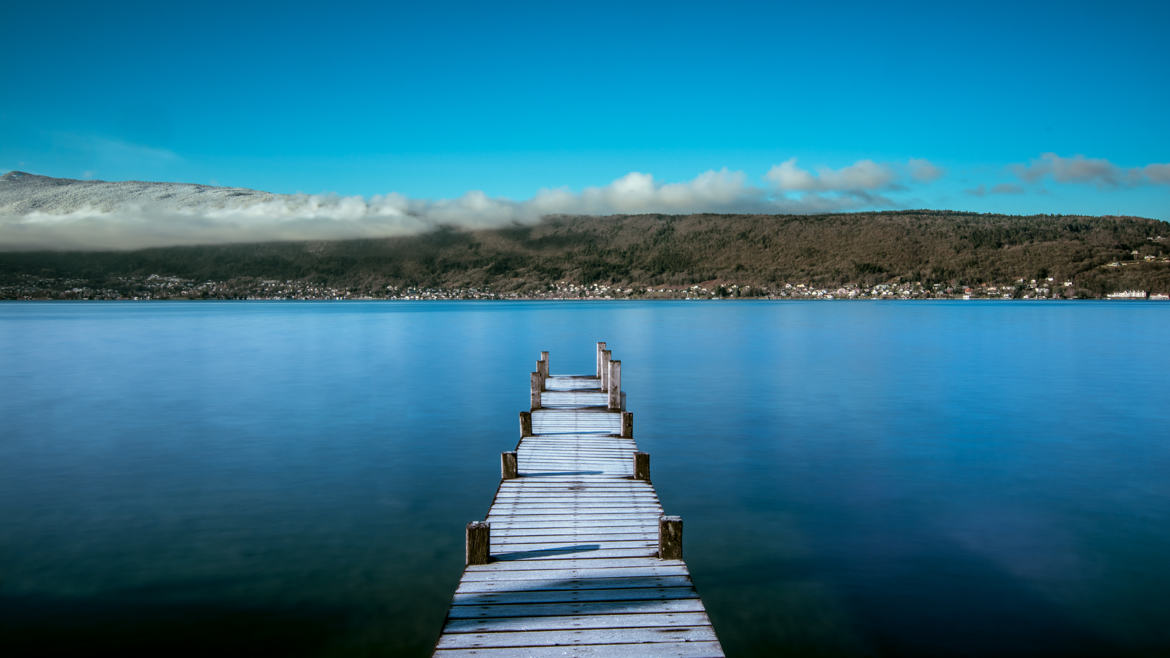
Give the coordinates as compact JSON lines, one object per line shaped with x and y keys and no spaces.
{"x":535,"y":386}
{"x":478,"y":542}
{"x":615,"y":385}
{"x":642,"y":466}
{"x":605,"y":358}
{"x":600,"y":347}
{"x":627,"y":425}
{"x":525,"y":424}
{"x":670,"y":530}
{"x":508,"y":467}
{"x":542,"y":368}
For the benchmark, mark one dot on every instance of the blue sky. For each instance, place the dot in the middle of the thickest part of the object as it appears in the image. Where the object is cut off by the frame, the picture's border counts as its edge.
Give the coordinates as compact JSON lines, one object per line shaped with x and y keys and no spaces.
{"x":433,"y":100}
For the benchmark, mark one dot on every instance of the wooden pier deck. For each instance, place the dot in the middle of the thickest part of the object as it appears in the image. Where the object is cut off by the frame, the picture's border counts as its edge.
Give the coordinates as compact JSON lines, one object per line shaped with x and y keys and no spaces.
{"x":576,"y":557}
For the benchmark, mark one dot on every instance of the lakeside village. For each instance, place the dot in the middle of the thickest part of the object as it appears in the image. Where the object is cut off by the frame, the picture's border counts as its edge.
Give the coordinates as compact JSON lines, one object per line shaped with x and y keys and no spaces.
{"x":157,"y":287}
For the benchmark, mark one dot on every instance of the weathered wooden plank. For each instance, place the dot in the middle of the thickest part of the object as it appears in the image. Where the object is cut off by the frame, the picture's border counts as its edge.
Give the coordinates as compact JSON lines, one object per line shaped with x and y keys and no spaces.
{"x":525,"y":535}
{"x":565,"y":384}
{"x":575,"y":595}
{"x":607,"y":451}
{"x":532,"y":585}
{"x":600,"y":453}
{"x":575,"y":477}
{"x":583,"y":552}
{"x":575,"y":507}
{"x":575,"y":573}
{"x":641,"y":620}
{"x":574,"y":512}
{"x":572,"y":563}
{"x":577,"y":637}
{"x":640,"y":517}
{"x":579,"y":524}
{"x":498,"y":548}
{"x":570,"y":515}
{"x":610,"y":484}
{"x":581,"y":608}
{"x":575,"y":494}
{"x":510,"y":498}
{"x":643,"y":522}
{"x":676,"y":649}
{"x":550,"y":462}
{"x":547,"y":537}
{"x":557,"y":536}
{"x":607,"y":486}
{"x":578,"y":443}
{"x":546,"y":463}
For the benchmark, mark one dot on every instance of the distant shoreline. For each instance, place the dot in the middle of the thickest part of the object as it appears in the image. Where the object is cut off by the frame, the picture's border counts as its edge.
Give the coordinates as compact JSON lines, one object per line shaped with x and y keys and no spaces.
{"x":883,"y":255}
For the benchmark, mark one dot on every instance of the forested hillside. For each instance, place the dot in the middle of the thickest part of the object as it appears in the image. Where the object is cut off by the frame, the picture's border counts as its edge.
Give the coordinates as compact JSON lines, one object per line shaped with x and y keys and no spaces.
{"x":936,"y":248}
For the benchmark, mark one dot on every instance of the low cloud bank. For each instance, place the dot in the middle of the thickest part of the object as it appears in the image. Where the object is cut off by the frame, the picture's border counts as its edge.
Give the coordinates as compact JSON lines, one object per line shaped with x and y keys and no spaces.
{"x":37,"y":212}
{"x":1095,"y":171}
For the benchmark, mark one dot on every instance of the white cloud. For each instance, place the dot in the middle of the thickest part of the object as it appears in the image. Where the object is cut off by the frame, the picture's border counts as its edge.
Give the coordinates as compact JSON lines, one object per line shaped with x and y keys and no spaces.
{"x":787,"y":176}
{"x":1157,"y":173}
{"x":924,"y":171}
{"x":861,"y":177}
{"x":1095,"y":171}
{"x":126,"y":215}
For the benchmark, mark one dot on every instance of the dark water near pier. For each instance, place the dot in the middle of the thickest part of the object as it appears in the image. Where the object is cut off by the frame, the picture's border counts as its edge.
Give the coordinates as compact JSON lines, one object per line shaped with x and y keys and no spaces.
{"x":869,"y":479}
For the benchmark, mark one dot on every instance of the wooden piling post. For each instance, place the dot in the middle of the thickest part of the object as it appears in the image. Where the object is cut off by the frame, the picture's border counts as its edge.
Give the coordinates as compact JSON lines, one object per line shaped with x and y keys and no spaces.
{"x":605,"y":358}
{"x":525,"y":424}
{"x":642,"y":466}
{"x":600,"y":347}
{"x":615,"y":385}
{"x":542,"y":368}
{"x":508,"y":466}
{"x":627,"y":425}
{"x":670,"y":530}
{"x":534,"y":380}
{"x":478,"y":542}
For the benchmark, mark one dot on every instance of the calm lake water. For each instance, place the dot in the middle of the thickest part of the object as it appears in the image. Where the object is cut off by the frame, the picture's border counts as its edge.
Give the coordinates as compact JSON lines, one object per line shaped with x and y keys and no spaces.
{"x":857,"y":478}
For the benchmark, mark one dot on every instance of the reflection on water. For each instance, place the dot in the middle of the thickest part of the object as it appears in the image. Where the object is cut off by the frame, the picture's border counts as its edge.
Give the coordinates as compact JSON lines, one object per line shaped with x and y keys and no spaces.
{"x":857,"y":478}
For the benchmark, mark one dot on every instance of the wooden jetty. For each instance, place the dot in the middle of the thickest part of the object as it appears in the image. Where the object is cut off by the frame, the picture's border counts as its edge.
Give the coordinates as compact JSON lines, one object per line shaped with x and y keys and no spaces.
{"x":575,"y":557}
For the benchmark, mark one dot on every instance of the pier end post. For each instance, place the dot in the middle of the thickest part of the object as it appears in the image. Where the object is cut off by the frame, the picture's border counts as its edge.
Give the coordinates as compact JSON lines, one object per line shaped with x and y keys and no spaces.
{"x":535,"y":386}
{"x":606,"y":355}
{"x":670,"y":529}
{"x":508,"y":465}
{"x":627,"y":425}
{"x":542,"y":368}
{"x":615,"y":385}
{"x":478,"y":542}
{"x":600,"y":347}
{"x":642,"y":466}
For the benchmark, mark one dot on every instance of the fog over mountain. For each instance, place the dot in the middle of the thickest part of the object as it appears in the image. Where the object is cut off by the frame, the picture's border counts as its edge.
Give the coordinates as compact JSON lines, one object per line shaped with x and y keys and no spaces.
{"x":40,"y":212}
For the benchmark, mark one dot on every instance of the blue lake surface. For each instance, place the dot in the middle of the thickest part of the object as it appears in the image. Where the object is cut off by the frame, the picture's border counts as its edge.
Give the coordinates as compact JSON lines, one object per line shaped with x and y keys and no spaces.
{"x":856,"y":478}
